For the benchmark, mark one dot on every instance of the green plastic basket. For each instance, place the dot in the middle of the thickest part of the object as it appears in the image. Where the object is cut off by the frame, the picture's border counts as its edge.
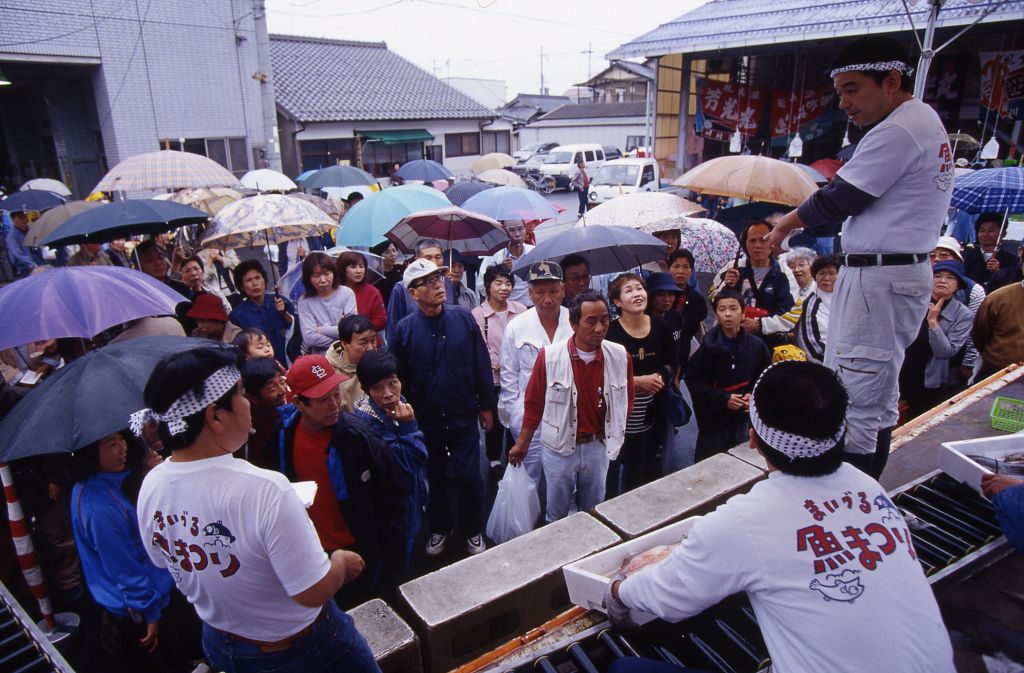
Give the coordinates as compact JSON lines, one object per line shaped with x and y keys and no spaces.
{"x":1008,"y":414}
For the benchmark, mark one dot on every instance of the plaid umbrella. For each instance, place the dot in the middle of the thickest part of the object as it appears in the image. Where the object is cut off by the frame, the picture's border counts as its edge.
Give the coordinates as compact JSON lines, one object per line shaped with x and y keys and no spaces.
{"x":713,"y":244}
{"x":469,"y":233}
{"x":990,"y":190}
{"x":637,"y":209}
{"x":165,"y":169}
{"x":270,"y":218}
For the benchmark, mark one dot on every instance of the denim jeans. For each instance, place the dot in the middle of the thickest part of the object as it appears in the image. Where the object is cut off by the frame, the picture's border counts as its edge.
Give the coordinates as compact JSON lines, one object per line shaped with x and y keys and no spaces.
{"x":453,"y":458}
{"x":584,"y":469}
{"x":333,"y":645}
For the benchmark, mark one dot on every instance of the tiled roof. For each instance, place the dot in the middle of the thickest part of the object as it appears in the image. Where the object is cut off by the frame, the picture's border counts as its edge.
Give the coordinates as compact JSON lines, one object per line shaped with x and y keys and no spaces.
{"x":542,"y":103}
{"x":596,"y":111}
{"x":319,"y":80}
{"x":731,"y":24}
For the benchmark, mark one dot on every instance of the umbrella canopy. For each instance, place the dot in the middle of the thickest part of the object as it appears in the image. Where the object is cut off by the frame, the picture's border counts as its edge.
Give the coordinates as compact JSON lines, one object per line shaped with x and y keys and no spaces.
{"x":511,"y":203}
{"x":61,"y":414}
{"x":812,"y":172}
{"x":338,"y":176}
{"x":366,"y":223}
{"x":330,"y":210}
{"x":79,"y":301}
{"x":964,"y":139}
{"x":345,"y":193}
{"x":31,"y":199}
{"x":606,"y":249}
{"x":122,"y":219}
{"x":305,"y":174}
{"x":461,"y":191}
{"x":267,"y":180}
{"x":499,"y":176}
{"x":990,"y":190}
{"x":637,"y":209}
{"x":53,"y":218}
{"x":827,"y":167}
{"x":47,"y":185}
{"x":270,"y":218}
{"x":425,"y":170}
{"x":208,"y":200}
{"x":492,"y":160}
{"x":749,"y":177}
{"x":469,"y":233}
{"x":165,"y":169}
{"x":713,"y":244}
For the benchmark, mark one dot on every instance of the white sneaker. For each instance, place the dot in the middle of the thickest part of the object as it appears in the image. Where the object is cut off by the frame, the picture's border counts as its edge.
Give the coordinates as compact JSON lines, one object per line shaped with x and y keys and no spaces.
{"x":475,"y":545}
{"x":436,"y":543}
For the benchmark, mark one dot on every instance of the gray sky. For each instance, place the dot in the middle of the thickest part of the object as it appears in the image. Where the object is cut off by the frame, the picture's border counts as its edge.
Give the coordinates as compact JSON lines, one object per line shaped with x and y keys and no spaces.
{"x":492,"y":39}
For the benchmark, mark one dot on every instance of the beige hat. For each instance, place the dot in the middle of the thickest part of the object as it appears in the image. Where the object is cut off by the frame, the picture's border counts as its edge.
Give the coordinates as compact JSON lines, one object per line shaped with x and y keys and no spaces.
{"x":951,"y":244}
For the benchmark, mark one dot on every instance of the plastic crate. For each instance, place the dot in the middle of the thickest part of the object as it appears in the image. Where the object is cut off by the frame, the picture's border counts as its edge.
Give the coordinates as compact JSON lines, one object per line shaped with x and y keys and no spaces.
{"x":1008,"y":414}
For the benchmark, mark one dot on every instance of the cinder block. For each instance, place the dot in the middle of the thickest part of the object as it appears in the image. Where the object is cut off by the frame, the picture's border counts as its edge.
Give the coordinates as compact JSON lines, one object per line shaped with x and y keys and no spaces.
{"x":696,"y":490}
{"x":749,"y":455}
{"x":472,"y":606}
{"x":392,"y":642}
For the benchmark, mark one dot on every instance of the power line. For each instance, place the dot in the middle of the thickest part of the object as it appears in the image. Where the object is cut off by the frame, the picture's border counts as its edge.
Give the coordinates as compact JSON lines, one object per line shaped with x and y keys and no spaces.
{"x":338,"y":14}
{"x":523,"y":17}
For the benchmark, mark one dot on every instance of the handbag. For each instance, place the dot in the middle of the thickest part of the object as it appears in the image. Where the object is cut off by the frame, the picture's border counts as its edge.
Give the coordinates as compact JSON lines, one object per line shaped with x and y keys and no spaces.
{"x":679,"y":411}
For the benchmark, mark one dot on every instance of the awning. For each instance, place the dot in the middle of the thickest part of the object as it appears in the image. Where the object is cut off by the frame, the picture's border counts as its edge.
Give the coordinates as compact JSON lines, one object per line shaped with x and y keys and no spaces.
{"x":393,"y":137}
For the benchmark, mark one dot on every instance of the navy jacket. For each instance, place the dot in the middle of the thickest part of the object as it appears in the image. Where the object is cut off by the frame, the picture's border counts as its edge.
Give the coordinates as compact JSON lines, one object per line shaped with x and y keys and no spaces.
{"x":773,"y":295}
{"x":717,"y":371}
{"x":400,"y":304}
{"x":975,"y":266}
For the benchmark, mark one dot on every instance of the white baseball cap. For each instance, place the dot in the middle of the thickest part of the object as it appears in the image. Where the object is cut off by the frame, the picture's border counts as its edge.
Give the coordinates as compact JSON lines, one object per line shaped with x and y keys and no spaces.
{"x":420,"y":268}
{"x":951,"y":244}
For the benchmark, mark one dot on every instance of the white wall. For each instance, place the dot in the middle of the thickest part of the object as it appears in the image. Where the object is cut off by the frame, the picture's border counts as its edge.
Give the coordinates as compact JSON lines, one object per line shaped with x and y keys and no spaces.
{"x":604,"y":132}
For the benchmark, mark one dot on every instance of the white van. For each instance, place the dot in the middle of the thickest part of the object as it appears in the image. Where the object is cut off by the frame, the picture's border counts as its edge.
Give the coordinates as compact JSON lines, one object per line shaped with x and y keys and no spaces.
{"x":623,"y":176}
{"x":560,"y":163}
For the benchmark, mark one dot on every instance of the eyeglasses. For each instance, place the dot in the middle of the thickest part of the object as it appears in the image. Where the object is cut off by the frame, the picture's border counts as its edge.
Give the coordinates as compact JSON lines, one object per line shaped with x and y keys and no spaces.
{"x":429,"y":280}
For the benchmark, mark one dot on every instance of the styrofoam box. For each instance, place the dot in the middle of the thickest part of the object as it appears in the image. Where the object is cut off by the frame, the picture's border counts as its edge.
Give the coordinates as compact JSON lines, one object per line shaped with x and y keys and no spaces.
{"x":953,"y":458}
{"x":588,"y":578}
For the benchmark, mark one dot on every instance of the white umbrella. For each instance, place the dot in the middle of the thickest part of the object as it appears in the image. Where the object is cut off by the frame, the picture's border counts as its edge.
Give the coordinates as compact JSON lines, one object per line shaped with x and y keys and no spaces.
{"x":267,"y":180}
{"x":47,"y":184}
{"x":637,"y":209}
{"x":501,"y":177}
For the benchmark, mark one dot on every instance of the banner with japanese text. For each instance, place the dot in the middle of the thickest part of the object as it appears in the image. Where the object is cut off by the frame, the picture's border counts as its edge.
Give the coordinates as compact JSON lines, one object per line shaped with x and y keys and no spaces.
{"x":945,"y":85}
{"x":1002,"y":84}
{"x":723,"y":108}
{"x":809,"y":110}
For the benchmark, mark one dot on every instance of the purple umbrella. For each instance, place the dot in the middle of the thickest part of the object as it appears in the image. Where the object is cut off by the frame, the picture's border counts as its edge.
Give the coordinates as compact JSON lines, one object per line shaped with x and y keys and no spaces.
{"x":79,"y":301}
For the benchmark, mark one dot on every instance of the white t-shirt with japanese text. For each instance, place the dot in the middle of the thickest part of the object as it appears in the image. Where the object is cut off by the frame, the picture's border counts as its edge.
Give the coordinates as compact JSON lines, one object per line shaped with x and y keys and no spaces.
{"x":829,"y":570}
{"x":906,"y":162}
{"x":237,"y":541}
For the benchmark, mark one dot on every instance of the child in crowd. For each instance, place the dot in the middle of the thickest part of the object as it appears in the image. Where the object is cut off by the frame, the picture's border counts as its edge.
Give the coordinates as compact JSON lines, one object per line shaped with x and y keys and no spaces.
{"x":254,"y":343}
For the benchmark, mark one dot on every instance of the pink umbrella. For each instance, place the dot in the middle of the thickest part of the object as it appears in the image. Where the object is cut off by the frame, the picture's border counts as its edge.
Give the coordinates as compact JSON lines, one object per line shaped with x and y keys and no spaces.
{"x":469,"y":233}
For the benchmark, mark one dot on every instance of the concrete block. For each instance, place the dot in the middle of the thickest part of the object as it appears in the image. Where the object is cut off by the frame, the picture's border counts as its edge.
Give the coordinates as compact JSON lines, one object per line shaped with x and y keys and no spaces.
{"x":474,"y":605}
{"x":749,"y":455}
{"x":697,"y":489}
{"x":392,"y":642}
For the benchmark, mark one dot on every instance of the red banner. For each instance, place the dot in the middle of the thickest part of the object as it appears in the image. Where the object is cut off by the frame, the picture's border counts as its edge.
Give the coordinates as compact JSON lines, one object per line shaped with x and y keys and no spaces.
{"x":791,"y":109}
{"x":732,"y":106}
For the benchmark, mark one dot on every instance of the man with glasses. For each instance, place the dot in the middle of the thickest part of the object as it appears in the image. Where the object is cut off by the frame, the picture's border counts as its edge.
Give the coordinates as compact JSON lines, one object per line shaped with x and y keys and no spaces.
{"x":517,"y":247}
{"x":577,"y":277}
{"x":446,"y":373}
{"x":399,"y":304}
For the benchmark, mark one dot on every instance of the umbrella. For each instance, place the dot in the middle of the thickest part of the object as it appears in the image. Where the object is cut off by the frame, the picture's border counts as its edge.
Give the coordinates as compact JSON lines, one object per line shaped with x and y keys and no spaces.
{"x":827,"y":167}
{"x":267,"y":180}
{"x":990,"y":190}
{"x":425,"y":170}
{"x":209,"y":200}
{"x":812,"y":172}
{"x":301,"y":177}
{"x":754,"y":178}
{"x":122,"y":219}
{"x":511,"y":203}
{"x":366,"y":223}
{"x":165,"y":169}
{"x":713,"y":244}
{"x":469,"y":233}
{"x":53,"y":218}
{"x":344,"y":193}
{"x":460,"y":191}
{"x":637,"y":209}
{"x":965,"y":139}
{"x":31,"y":199}
{"x":492,"y":160}
{"x":61,"y":414}
{"x":47,"y":185}
{"x":270,"y":218}
{"x":500,"y":177}
{"x":323,"y":204}
{"x":291,"y":280}
{"x":79,"y":301}
{"x":338,"y":176}
{"x":606,"y":249}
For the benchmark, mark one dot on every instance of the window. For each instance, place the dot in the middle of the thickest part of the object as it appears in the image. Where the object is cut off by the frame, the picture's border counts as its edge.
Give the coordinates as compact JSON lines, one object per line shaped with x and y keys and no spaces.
{"x":228,"y":152}
{"x":323,"y":153}
{"x":496,"y":141}
{"x":435,"y":153}
{"x":648,"y":175}
{"x":461,"y":144}
{"x":379,"y":158}
{"x":589,"y":155}
{"x":633,"y":142}
{"x":578,"y":157}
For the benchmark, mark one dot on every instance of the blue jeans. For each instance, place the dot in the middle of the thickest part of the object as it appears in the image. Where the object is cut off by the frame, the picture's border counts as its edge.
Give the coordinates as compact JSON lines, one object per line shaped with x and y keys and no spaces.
{"x":333,"y":645}
{"x":584,"y":469}
{"x":453,"y":459}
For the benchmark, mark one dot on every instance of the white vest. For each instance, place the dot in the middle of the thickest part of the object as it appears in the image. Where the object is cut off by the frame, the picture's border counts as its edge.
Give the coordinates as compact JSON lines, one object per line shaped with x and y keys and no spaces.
{"x":558,"y":426}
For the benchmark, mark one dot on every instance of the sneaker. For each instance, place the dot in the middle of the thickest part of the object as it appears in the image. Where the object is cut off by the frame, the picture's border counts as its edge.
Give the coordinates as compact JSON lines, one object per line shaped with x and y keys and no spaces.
{"x":475,"y":545}
{"x":436,"y":543}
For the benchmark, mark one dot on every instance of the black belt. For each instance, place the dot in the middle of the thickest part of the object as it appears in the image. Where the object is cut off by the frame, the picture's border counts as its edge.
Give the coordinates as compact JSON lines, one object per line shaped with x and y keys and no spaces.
{"x":883,"y":259}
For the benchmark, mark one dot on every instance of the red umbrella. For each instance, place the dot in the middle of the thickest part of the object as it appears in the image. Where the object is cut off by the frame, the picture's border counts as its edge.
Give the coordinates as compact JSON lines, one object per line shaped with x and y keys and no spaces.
{"x":827,"y":167}
{"x":531,"y":225}
{"x":469,"y":233}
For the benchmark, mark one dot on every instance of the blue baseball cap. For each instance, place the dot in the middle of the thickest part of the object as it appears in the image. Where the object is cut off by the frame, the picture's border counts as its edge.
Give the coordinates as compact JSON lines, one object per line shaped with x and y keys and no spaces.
{"x":662,"y":282}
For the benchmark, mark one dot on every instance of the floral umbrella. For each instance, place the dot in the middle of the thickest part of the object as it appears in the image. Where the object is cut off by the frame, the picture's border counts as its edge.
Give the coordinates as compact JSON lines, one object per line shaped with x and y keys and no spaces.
{"x":265,"y":218}
{"x":208,"y":200}
{"x":713,"y":244}
{"x":637,"y":209}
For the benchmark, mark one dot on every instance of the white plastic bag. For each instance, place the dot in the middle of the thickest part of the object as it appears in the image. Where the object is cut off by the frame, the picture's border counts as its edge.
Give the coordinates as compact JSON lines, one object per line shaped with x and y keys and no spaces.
{"x":516,"y":507}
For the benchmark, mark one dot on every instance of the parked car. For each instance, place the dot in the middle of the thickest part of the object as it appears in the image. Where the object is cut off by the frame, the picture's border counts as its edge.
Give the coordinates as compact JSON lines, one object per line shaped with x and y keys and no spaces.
{"x":532,"y":150}
{"x":624,"y":176}
{"x":560,"y":163}
{"x":612,"y":152}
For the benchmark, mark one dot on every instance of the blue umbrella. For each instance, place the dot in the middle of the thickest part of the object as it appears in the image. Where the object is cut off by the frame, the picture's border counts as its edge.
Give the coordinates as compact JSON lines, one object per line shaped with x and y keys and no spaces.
{"x":338,"y":176}
{"x":460,"y":192}
{"x":366,"y":222}
{"x":305,"y":174}
{"x":990,"y":190}
{"x":31,"y":199}
{"x":511,"y":203}
{"x":606,"y":249}
{"x":79,"y":301}
{"x":62,"y":414}
{"x":425,"y":170}
{"x":122,"y":219}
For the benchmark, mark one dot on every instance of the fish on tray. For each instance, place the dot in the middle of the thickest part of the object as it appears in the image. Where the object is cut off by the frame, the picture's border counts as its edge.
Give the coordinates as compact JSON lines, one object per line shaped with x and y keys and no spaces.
{"x":634,"y":563}
{"x":1010,"y":463}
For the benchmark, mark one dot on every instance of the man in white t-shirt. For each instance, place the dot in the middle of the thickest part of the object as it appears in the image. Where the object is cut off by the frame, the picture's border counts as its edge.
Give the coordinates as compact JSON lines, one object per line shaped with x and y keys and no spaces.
{"x":235,"y":537}
{"x":823,"y":554}
{"x":893,"y":195}
{"x":517,"y":247}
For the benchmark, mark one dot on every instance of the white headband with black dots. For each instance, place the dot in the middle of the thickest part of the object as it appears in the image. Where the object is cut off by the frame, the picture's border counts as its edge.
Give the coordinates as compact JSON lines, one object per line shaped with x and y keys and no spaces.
{"x":218,"y":383}
{"x":882,"y":66}
{"x":789,"y":444}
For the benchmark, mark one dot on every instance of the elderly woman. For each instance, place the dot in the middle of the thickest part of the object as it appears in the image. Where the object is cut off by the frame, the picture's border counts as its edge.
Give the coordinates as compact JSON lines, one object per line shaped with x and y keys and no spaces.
{"x":812,"y":329}
{"x":798,"y":261}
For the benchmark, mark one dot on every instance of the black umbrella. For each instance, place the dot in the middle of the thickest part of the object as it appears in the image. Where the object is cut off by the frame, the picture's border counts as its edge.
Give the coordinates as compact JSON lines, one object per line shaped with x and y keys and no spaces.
{"x":606,"y":249}
{"x":122,"y":219}
{"x":460,"y":192}
{"x":88,"y":399}
{"x":31,"y":199}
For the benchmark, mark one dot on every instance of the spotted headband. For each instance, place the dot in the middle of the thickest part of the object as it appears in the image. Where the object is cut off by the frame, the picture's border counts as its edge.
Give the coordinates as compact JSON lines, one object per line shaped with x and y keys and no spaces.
{"x":218,"y":383}
{"x":883,"y":66}
{"x":792,"y":445}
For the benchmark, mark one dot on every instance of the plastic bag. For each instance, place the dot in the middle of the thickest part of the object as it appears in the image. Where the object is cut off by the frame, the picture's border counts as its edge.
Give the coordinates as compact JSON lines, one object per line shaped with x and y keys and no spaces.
{"x":516,"y":507}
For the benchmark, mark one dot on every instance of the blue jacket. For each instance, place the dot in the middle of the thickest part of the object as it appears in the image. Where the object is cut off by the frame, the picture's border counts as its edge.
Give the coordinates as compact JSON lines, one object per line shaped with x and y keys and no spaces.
{"x":117,"y":569}
{"x":1009,"y":506}
{"x":720,"y":369}
{"x":23,"y":258}
{"x":266,"y":318}
{"x":445,"y":368}
{"x":400,"y":304}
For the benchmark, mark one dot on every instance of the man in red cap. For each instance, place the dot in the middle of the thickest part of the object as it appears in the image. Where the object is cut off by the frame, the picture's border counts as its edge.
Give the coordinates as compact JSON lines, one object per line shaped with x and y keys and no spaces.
{"x":211,"y":319}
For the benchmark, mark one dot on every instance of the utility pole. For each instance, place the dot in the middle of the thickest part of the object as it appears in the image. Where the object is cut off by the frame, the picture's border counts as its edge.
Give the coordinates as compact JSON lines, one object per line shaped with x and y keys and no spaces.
{"x":265,"y":76}
{"x":589,"y":52}
{"x":542,"y":70}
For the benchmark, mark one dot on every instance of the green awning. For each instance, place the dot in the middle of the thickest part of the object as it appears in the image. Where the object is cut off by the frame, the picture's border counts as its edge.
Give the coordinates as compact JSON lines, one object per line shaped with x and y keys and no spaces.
{"x":393,"y":137}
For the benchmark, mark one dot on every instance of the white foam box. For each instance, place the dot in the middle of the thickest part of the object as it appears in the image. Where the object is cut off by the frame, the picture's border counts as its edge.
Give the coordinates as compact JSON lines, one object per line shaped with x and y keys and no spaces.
{"x":588,"y":578}
{"x":953,"y":458}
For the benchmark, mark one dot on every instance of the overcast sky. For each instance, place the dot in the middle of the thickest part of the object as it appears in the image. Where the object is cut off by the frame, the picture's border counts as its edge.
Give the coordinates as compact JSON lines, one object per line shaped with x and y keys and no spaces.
{"x":492,"y":39}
